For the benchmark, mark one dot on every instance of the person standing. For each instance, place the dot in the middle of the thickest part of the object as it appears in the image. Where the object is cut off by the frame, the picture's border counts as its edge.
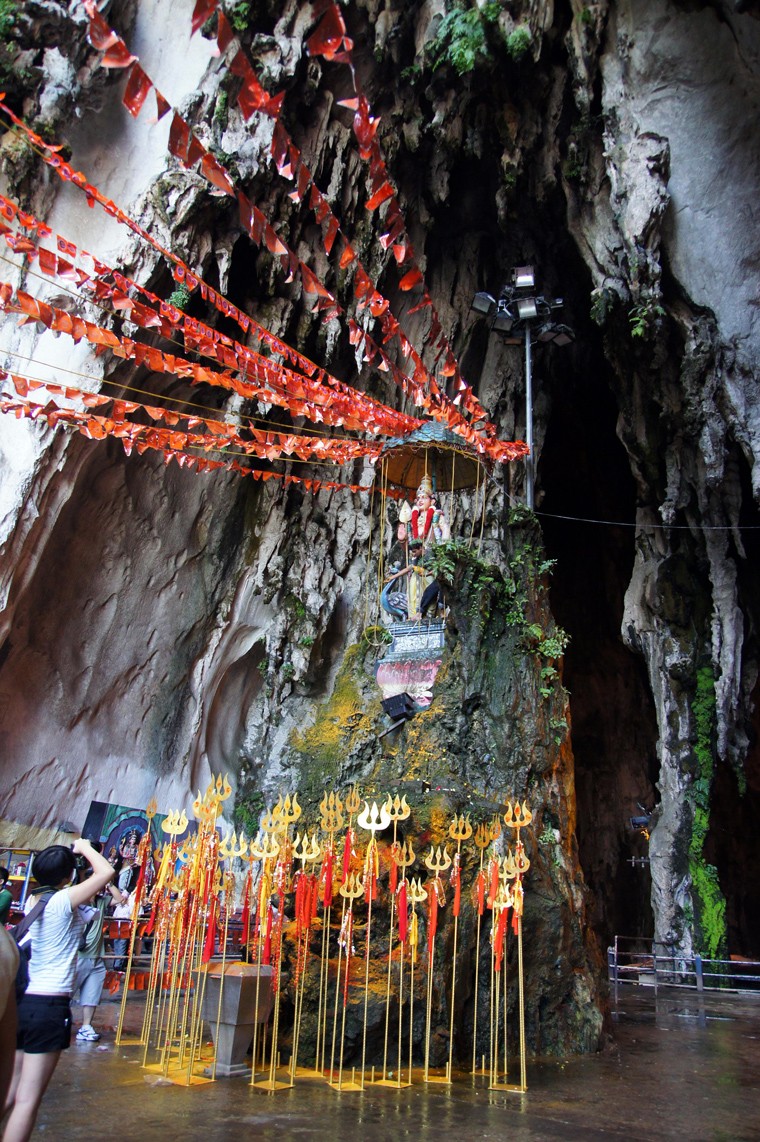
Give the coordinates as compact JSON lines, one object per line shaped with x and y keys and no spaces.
{"x":91,"y":968}
{"x":44,"y":1011}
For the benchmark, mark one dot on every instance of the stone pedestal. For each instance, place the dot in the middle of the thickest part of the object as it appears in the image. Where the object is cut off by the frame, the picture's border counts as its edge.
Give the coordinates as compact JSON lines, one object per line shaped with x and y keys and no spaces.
{"x":239,"y":1013}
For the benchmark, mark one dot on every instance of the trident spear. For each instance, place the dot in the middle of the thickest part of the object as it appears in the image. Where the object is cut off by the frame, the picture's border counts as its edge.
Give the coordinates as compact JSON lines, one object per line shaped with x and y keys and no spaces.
{"x":437,"y":861}
{"x":484,"y":836}
{"x":307,"y":850}
{"x":374,"y":821}
{"x":351,"y":889}
{"x":352,"y":806}
{"x":519,"y":818}
{"x":285,"y":814}
{"x":417,"y":893}
{"x":331,"y":809}
{"x":230,"y":849}
{"x":398,"y":810}
{"x":501,"y":905}
{"x":460,"y":830}
{"x":482,"y":841}
{"x":264,"y":848}
{"x":404,"y":859}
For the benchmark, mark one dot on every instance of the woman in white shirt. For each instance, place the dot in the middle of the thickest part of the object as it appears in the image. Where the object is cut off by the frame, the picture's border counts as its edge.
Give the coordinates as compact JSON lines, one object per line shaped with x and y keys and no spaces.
{"x":44,"y":1012}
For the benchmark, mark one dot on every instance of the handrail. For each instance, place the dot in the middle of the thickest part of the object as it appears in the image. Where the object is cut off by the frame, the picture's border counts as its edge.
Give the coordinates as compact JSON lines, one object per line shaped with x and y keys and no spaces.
{"x":653,"y":963}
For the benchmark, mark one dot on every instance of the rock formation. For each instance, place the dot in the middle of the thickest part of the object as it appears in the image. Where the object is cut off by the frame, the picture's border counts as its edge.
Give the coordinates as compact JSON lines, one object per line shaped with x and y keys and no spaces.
{"x":160,"y":626}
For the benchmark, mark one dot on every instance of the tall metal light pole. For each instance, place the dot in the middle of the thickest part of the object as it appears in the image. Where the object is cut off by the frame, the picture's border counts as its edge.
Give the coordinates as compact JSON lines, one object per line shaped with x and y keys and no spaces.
{"x":512,"y":314}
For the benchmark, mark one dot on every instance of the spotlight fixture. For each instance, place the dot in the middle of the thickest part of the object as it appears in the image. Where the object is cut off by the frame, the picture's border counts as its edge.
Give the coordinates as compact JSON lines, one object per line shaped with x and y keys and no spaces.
{"x":527,"y":308}
{"x":483,"y":303}
{"x":524,"y":277}
{"x":512,"y":315}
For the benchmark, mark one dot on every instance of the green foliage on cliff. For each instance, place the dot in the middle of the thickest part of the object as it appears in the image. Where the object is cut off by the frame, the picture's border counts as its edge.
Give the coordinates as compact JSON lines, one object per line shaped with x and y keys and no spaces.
{"x":180,"y":297}
{"x":248,"y":811}
{"x":709,"y":902}
{"x":643,"y":317}
{"x":462,"y":40}
{"x":8,"y":14}
{"x":518,"y":42}
{"x":487,"y":590}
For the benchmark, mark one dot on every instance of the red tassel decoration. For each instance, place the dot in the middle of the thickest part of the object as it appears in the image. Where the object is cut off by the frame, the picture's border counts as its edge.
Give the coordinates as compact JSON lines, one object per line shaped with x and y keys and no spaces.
{"x":432,"y":923}
{"x":500,"y":934}
{"x":208,"y":947}
{"x":267,"y":954}
{"x":347,"y":855}
{"x":327,"y":879}
{"x":492,"y":892}
{"x":402,"y":915}
{"x":480,"y":884}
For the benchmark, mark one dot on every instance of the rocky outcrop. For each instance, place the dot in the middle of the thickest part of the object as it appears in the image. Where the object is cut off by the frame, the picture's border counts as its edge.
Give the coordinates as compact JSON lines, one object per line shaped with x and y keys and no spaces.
{"x":160,"y":626}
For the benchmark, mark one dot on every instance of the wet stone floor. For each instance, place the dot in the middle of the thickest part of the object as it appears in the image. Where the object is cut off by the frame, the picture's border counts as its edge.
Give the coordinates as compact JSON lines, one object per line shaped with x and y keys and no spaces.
{"x":675,"y":1068}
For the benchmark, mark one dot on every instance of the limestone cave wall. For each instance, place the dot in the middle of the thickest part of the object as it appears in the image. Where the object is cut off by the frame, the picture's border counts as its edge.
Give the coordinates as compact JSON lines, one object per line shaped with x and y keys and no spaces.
{"x":159,"y":626}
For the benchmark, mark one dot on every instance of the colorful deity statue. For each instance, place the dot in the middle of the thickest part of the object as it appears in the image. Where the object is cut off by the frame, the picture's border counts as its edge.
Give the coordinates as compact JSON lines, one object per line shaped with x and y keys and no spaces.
{"x":420,"y":528}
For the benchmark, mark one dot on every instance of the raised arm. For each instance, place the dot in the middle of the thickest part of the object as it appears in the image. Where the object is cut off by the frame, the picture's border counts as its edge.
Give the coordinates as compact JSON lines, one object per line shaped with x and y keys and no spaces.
{"x":102,"y":872}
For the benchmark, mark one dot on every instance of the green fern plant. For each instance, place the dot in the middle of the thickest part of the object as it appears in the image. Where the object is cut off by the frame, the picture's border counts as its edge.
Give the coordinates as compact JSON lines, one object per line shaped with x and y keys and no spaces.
{"x":461,"y":41}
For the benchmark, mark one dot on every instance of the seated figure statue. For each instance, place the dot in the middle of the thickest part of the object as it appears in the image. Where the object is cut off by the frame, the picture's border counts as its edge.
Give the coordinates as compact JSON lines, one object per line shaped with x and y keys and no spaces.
{"x":420,"y":528}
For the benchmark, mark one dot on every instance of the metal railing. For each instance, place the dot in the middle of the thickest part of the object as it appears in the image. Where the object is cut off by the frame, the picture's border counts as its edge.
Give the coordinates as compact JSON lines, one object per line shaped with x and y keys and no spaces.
{"x":648,"y":963}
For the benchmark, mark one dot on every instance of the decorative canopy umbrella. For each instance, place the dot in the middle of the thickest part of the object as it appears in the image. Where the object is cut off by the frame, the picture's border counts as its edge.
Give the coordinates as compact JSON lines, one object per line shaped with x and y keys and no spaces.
{"x":432,"y":450}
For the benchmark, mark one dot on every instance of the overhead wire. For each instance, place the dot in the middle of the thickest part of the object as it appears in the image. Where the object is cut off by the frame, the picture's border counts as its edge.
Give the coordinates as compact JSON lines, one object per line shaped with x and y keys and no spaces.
{"x":97,"y":304}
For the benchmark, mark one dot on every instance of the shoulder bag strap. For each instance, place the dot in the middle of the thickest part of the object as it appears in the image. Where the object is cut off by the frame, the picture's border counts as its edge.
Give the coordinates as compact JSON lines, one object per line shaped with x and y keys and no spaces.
{"x":24,"y":925}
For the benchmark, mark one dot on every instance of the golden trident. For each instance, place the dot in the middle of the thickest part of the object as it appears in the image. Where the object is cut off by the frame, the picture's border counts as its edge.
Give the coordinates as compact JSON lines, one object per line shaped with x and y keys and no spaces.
{"x":417,"y":894}
{"x":351,"y":889}
{"x":398,"y":810}
{"x":483,"y":839}
{"x":460,"y":830}
{"x":374,"y":820}
{"x":230,"y":848}
{"x":437,"y":860}
{"x":283,"y":814}
{"x":263,"y":847}
{"x":405,"y":856}
{"x":517,"y":818}
{"x":331,"y":811}
{"x":502,"y":902}
{"x":353,"y":803}
{"x":173,"y":825}
{"x":307,"y":850}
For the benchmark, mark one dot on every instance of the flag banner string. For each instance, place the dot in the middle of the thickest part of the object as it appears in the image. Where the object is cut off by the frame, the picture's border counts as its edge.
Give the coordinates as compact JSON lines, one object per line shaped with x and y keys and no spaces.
{"x":188,"y":149}
{"x":331,"y":42}
{"x":262,"y":378}
{"x":289,"y":163}
{"x":358,"y":407}
{"x":141,"y":438}
{"x":220,"y":433}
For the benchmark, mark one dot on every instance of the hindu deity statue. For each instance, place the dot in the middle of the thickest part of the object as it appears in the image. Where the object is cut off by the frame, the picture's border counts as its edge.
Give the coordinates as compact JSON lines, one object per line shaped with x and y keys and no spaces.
{"x":420,"y":527}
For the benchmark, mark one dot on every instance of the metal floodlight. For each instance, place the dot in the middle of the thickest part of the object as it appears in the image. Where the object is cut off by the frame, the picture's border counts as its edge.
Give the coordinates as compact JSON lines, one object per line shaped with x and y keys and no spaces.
{"x":512,"y":316}
{"x":527,"y":308}
{"x":524,"y":277}
{"x":503,"y":322}
{"x":483,"y":303}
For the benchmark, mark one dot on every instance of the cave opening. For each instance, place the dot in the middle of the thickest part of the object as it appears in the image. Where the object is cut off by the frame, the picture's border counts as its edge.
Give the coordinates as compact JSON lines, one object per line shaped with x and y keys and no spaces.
{"x":586,"y":505}
{"x":732,"y":844}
